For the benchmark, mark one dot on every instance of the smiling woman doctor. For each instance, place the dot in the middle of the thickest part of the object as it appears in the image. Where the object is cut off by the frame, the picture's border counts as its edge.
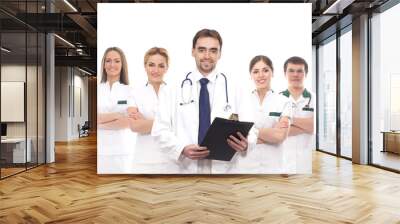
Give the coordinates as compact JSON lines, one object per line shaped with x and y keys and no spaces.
{"x":188,"y":109}
{"x":114,"y":152}
{"x":272,"y":114}
{"x":148,"y":157}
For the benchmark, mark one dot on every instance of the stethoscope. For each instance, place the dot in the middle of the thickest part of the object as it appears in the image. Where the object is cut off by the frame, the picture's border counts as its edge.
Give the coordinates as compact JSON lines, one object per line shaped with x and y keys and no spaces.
{"x":191,"y":100}
{"x":307,"y":106}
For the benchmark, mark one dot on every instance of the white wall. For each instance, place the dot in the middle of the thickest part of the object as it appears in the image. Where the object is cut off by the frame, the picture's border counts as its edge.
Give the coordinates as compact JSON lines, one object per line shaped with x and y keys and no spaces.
{"x":79,"y":117}
{"x":33,"y":126}
{"x":61,"y":103}
{"x":16,"y":73}
{"x":69,"y":85}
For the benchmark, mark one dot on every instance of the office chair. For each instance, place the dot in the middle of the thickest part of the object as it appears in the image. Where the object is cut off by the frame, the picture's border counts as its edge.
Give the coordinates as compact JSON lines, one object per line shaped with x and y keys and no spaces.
{"x":84,"y":130}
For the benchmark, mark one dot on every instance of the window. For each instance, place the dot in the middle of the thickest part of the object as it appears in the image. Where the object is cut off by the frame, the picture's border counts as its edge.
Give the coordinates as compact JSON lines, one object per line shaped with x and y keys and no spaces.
{"x":327,"y":96}
{"x":385,"y":88}
{"x":22,"y":76}
{"x":346,"y":93}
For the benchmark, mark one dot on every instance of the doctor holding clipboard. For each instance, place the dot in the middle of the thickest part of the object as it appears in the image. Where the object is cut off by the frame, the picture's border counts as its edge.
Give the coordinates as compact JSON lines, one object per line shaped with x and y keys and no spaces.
{"x":187,"y":110}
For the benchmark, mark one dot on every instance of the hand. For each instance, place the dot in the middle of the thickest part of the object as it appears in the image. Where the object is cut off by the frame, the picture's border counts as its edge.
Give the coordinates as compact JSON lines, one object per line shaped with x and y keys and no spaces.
{"x":236,"y":144}
{"x":131,"y":111}
{"x":135,"y":115}
{"x":138,"y":116}
{"x":131,"y":122}
{"x":195,"y":152}
{"x":283,"y":123}
{"x":260,"y":141}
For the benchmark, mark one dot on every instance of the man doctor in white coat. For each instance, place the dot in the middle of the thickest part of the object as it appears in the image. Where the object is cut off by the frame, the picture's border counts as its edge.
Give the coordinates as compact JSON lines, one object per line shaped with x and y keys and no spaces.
{"x":300,"y":143}
{"x":188,"y":109}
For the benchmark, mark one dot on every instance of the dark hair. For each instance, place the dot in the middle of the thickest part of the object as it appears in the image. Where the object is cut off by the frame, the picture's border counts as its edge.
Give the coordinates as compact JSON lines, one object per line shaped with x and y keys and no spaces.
{"x":123,"y":76}
{"x":297,"y":61}
{"x":156,"y":50}
{"x":262,"y":58}
{"x":207,"y":33}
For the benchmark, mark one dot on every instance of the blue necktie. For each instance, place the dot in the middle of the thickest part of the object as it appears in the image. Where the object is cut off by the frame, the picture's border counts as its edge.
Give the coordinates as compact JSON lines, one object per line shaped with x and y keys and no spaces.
{"x":204,"y":110}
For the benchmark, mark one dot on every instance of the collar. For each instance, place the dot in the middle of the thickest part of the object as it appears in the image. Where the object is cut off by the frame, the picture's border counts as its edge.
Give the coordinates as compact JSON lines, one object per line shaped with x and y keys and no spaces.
{"x":115,"y":84}
{"x":162,"y":84}
{"x":256,"y":93}
{"x":211,"y":77}
{"x":305,"y":94}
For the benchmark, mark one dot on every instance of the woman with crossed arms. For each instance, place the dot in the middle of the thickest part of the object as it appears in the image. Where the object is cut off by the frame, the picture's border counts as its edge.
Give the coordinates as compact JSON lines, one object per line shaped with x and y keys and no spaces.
{"x":114,"y":154}
{"x":148,"y":157}
{"x":272,"y":113}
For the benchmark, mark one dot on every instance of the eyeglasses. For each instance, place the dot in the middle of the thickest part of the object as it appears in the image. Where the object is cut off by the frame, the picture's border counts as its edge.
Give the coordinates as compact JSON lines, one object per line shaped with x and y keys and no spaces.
{"x":299,"y":71}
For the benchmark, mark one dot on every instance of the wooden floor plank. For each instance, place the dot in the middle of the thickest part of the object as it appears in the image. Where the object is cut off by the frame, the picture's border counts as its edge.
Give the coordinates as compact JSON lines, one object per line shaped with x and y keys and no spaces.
{"x":70,"y":191}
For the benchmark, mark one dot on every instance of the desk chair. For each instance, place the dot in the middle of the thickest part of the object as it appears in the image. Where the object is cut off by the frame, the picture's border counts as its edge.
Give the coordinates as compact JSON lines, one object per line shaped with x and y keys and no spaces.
{"x":84,"y":130}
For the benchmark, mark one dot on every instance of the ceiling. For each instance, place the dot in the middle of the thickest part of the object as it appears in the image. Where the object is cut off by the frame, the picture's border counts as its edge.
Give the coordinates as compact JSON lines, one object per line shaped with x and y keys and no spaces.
{"x":75,"y":23}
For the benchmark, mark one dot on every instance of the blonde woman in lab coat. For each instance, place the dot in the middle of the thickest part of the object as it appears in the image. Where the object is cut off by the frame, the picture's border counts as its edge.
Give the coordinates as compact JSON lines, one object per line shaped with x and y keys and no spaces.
{"x":114,"y":151}
{"x":272,"y":117}
{"x":148,"y":157}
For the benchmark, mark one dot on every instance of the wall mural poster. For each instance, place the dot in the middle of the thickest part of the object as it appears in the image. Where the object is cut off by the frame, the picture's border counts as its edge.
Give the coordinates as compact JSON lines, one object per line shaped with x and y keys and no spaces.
{"x":204,"y":89}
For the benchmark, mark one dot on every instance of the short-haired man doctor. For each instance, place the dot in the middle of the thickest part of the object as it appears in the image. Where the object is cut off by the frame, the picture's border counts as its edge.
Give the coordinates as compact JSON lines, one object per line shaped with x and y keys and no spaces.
{"x":186,"y":112}
{"x":300,"y":143}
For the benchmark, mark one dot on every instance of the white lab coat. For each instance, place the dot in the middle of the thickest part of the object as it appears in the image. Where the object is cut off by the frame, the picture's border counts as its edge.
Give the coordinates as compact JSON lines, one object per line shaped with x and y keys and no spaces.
{"x":114,"y":147}
{"x":177,"y":123}
{"x":266,"y":158}
{"x":148,"y":157}
{"x":299,"y":147}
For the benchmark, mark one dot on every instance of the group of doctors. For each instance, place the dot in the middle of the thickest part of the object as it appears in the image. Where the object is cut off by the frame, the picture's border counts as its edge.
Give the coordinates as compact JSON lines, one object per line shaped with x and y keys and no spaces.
{"x":171,"y":120}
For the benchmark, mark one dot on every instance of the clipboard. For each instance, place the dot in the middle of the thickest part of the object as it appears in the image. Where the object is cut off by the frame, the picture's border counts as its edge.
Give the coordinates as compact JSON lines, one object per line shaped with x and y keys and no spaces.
{"x":218,"y":133}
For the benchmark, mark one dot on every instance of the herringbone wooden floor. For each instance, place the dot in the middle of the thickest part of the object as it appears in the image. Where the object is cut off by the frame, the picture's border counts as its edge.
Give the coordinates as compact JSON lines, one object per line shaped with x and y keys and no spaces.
{"x":70,"y":191}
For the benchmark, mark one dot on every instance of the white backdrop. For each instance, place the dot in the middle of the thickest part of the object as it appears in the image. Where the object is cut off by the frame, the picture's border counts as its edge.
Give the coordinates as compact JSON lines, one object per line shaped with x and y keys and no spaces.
{"x":278,"y":31}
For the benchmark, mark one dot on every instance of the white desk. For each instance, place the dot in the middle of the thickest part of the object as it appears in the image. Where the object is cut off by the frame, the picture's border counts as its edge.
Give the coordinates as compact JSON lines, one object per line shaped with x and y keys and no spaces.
{"x":18,"y":145}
